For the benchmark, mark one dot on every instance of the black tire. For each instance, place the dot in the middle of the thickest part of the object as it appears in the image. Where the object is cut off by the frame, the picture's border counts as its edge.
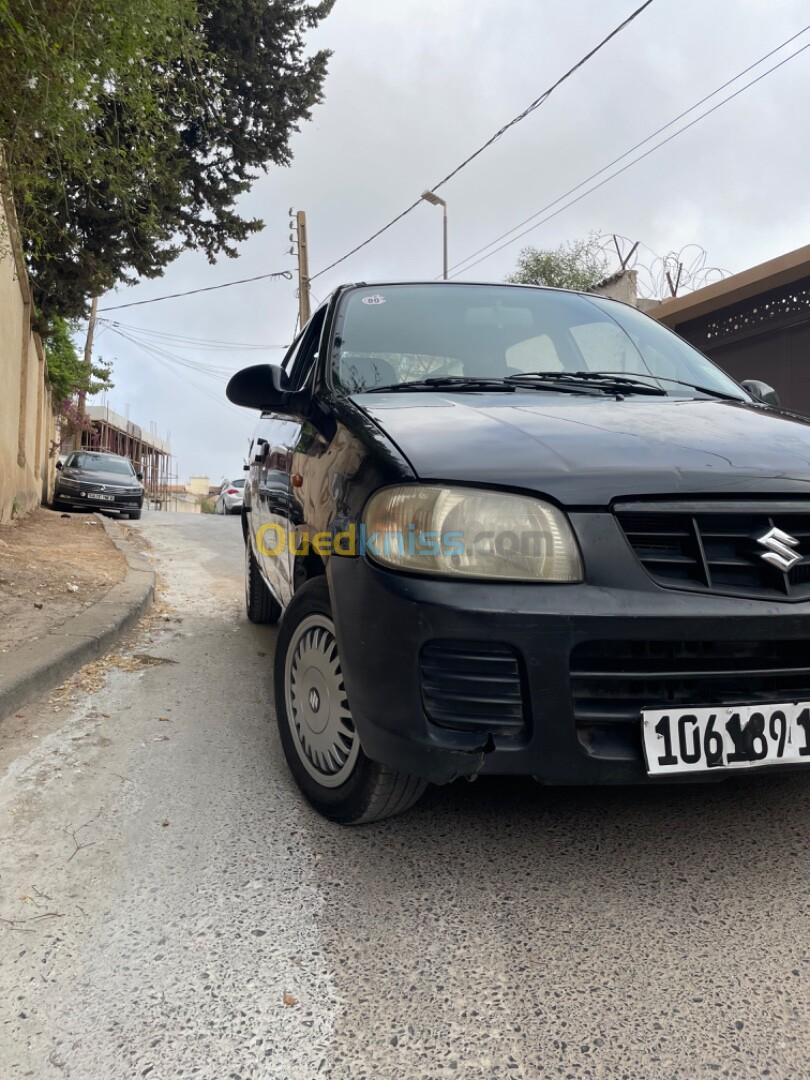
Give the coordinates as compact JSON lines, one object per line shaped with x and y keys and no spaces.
{"x":260,"y":604}
{"x":370,"y":792}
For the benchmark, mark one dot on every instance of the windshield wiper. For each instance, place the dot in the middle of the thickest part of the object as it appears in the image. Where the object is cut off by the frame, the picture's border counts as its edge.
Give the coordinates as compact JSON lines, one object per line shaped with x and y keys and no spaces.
{"x":613,"y":375}
{"x":593,"y":380}
{"x":442,"y":382}
{"x":506,"y":384}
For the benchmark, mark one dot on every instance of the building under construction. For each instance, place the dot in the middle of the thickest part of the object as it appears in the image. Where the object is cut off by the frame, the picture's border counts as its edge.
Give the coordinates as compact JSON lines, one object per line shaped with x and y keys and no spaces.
{"x":149,"y":453}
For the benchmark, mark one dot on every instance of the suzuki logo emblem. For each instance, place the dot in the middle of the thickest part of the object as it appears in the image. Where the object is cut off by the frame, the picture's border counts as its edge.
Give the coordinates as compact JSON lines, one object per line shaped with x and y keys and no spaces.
{"x":780,"y":547}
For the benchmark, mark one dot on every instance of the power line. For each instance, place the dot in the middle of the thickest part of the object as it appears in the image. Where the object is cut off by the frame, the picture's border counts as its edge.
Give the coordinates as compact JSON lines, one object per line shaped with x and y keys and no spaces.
{"x":538,"y":101}
{"x":184,"y":341}
{"x":212,"y":370}
{"x":632,"y":149}
{"x":188,"y":381}
{"x":210,"y":288}
{"x":469,"y":265}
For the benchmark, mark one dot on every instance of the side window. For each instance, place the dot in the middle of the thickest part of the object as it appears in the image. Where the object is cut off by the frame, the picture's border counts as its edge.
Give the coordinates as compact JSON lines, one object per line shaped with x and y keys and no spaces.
{"x":298,"y":361}
{"x":288,"y":362}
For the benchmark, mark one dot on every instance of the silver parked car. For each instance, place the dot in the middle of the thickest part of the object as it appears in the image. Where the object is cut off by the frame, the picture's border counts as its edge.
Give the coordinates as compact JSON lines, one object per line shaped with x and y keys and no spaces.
{"x":229,"y":500}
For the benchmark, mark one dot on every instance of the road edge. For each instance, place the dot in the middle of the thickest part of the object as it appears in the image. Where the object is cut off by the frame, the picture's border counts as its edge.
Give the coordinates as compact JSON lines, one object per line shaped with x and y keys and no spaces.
{"x":38,"y":666}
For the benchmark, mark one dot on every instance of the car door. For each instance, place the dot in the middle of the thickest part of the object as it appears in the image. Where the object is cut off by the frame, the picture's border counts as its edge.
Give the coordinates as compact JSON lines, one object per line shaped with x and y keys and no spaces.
{"x":272,"y":508}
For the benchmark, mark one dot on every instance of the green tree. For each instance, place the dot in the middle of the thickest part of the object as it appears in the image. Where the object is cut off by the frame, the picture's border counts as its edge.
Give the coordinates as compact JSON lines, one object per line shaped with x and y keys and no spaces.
{"x":579,"y":264}
{"x":67,"y":373}
{"x":131,"y":127}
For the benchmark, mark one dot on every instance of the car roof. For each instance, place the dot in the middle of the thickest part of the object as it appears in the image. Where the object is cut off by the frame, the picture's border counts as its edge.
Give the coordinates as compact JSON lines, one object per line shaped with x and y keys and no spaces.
{"x":99,"y":454}
{"x":487,"y":284}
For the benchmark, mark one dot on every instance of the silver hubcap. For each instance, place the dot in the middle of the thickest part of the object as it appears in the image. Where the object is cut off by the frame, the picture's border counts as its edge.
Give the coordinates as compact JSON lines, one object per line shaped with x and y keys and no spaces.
{"x":320,"y":721}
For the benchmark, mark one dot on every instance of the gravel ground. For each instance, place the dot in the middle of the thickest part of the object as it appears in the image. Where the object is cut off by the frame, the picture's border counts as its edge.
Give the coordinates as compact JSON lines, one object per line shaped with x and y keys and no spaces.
{"x":52,"y":566}
{"x":172,"y":909}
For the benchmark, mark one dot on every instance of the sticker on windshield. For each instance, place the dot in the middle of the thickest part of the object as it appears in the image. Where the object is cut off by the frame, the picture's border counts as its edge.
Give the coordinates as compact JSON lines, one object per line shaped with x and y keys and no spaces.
{"x":375,"y":299}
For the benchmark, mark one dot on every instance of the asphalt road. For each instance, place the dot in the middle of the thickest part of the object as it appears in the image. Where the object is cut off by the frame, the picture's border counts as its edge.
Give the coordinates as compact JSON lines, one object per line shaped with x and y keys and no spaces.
{"x":167,"y":888}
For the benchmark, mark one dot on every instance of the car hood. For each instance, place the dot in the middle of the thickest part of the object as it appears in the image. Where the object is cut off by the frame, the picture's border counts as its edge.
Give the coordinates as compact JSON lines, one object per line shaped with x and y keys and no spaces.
{"x":586,"y":451}
{"x":106,"y":478}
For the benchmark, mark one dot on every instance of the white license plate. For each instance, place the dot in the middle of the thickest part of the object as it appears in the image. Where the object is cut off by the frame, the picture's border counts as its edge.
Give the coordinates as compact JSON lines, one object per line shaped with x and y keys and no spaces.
{"x":105,"y":498}
{"x":725,"y":737}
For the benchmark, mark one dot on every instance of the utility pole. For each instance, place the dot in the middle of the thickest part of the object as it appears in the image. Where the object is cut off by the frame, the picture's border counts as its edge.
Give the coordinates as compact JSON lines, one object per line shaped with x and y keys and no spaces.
{"x":88,"y":351}
{"x":303,"y":268}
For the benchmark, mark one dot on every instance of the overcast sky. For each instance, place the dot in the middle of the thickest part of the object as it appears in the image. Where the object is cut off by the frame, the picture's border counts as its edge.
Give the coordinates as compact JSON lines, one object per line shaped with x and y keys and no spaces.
{"x":413,"y":87}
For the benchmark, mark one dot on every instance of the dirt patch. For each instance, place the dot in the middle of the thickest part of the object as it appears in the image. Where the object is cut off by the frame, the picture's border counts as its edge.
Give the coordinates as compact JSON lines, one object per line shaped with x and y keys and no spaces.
{"x":51,"y":568}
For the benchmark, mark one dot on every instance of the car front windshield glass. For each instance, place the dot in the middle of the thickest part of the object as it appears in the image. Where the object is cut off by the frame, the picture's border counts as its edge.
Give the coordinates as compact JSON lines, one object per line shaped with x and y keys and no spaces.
{"x":392,"y":334}
{"x":100,"y":463}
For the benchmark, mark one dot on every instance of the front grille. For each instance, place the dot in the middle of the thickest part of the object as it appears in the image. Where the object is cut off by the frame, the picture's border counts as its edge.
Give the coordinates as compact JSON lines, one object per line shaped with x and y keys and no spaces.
{"x":109,"y":489}
{"x":473,"y":686}
{"x":717,"y":550}
{"x":612,"y":681}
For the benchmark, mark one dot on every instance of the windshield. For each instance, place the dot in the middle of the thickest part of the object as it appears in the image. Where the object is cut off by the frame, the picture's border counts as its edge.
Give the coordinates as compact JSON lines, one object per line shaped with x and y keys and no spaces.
{"x":391,"y":334}
{"x":100,"y":463}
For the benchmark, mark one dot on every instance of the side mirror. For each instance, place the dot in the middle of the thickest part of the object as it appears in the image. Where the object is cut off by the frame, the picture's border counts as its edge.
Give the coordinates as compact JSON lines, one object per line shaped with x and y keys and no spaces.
{"x":59,"y":464}
{"x":760,"y":391}
{"x":246,"y":467}
{"x":262,"y":387}
{"x":139,"y":476}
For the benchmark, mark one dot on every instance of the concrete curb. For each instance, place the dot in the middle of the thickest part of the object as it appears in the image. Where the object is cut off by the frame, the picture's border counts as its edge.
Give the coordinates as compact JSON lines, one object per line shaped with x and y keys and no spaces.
{"x":40,"y":665}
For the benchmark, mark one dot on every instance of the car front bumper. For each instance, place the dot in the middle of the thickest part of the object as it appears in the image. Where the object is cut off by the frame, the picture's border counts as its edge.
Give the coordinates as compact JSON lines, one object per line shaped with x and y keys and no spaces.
{"x":92,"y":500}
{"x":577,"y":649}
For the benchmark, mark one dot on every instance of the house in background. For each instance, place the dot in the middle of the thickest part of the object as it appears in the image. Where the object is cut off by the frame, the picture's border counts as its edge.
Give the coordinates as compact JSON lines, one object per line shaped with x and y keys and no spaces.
{"x":198,"y":485}
{"x":754,"y":325}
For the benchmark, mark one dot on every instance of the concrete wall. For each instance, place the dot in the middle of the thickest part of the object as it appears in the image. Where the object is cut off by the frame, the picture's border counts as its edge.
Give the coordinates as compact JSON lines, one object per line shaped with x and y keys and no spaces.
{"x":27,"y":424}
{"x":622,"y":285}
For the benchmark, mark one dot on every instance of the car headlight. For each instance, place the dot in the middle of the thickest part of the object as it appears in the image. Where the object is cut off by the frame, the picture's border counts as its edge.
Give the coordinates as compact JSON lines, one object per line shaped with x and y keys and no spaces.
{"x":65,"y":481}
{"x":469,"y":532}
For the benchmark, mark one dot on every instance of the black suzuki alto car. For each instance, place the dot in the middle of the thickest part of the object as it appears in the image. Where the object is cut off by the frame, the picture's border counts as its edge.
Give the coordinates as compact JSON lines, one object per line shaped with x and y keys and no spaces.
{"x":520,"y":530}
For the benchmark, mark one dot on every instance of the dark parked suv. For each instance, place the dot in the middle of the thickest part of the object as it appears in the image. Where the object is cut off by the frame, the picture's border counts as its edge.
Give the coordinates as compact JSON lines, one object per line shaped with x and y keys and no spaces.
{"x":525,"y":531}
{"x":91,"y":480}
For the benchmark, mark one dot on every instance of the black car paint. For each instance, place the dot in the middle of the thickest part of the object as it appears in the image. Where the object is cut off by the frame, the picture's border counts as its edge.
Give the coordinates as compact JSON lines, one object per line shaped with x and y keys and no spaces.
{"x":586,"y":452}
{"x":319,"y":467}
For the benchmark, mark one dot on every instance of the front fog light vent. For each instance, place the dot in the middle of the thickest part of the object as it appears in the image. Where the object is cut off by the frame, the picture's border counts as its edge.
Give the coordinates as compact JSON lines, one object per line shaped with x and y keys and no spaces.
{"x":473,"y":686}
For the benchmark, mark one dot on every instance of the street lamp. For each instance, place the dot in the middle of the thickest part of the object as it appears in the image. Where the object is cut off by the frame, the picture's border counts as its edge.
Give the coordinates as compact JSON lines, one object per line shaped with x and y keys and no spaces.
{"x":436,"y":200}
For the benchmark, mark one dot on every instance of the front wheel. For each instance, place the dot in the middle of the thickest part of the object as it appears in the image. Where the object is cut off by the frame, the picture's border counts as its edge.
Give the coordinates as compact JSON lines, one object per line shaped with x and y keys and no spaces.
{"x":320,"y":741}
{"x":135,"y":515}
